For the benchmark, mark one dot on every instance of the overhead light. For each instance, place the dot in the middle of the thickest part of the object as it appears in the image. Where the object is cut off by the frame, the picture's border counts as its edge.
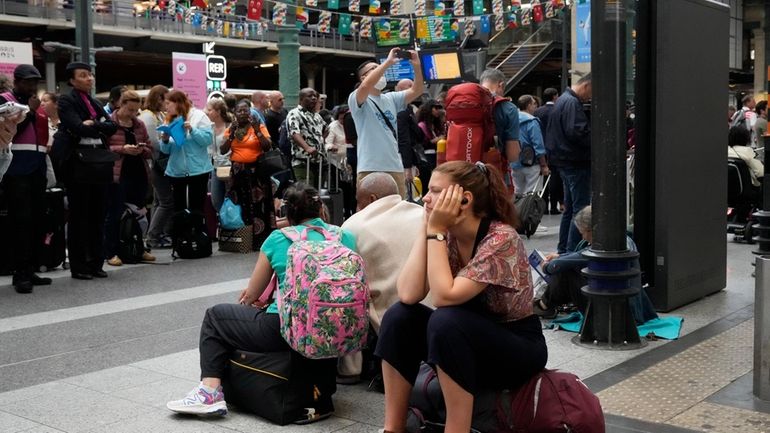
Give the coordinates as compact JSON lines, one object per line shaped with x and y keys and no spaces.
{"x":266,"y":65}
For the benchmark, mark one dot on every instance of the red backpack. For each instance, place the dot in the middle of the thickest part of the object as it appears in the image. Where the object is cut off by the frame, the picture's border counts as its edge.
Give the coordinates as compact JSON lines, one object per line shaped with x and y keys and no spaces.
{"x":470,"y":114}
{"x":552,"y":401}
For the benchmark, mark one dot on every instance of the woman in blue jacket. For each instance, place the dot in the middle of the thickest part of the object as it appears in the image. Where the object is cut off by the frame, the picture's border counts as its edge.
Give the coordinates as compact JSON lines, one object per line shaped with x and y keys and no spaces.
{"x":532,"y":162}
{"x":189,"y":164}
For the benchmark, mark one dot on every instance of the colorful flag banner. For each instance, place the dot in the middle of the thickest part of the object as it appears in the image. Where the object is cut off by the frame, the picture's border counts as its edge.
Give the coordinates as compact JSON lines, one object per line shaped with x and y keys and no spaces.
{"x":515,"y":5}
{"x":228,"y":7}
{"x":478,"y":7}
{"x":375,"y":7}
{"x":439,"y":8}
{"x":344,"y":24}
{"x":395,"y":7}
{"x":279,"y":14}
{"x":188,"y":16}
{"x":202,"y":4}
{"x":404,"y":28}
{"x":470,"y":27}
{"x":254,"y":11}
{"x":354,"y":6}
{"x":333,"y":4}
{"x":419,"y":8}
{"x":550,"y":11}
{"x":196,"y":22}
{"x":227,"y":29}
{"x":459,"y":8}
{"x":366,"y":27}
{"x":354,"y":26}
{"x":311,"y":3}
{"x":499,"y":23}
{"x":513,"y":20}
{"x":497,"y":7}
{"x":421,"y":28}
{"x":220,"y":28}
{"x":526,"y":18}
{"x":324,"y":22}
{"x":537,"y":11}
{"x":302,"y":17}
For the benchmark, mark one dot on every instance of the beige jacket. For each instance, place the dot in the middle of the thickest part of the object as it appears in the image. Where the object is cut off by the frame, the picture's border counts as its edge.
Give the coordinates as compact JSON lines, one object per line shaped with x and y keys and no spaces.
{"x":748,"y":156}
{"x":385,"y":232}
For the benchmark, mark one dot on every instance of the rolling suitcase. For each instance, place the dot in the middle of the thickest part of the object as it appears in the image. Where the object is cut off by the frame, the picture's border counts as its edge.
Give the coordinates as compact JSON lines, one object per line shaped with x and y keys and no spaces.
{"x":332,"y":198}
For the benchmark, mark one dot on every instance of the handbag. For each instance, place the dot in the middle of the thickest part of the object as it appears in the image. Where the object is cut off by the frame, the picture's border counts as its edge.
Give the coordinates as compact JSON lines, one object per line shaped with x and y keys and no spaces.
{"x":93,"y":165}
{"x":230,"y":215}
{"x":236,"y":241}
{"x":223,"y":172}
{"x":270,"y":162}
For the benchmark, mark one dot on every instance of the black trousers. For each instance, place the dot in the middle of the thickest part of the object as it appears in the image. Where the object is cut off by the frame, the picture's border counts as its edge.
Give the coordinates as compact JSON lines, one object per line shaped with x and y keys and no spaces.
{"x":474,"y":351}
{"x":85,"y":228}
{"x":564,"y":288}
{"x":227,"y":327}
{"x":554,"y":194}
{"x":25,"y":196}
{"x":190,"y":192}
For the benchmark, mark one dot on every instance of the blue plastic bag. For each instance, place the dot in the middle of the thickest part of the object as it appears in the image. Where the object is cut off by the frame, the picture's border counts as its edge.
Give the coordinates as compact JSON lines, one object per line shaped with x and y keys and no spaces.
{"x":230,"y":216}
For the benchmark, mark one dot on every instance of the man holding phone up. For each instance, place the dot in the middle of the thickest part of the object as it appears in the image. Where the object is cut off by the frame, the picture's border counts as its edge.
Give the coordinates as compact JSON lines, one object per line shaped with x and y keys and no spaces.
{"x":374,"y":114}
{"x":25,"y":181}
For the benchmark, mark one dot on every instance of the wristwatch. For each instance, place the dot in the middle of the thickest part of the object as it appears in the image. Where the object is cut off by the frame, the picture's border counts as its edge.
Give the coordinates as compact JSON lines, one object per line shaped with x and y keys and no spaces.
{"x":436,"y":236}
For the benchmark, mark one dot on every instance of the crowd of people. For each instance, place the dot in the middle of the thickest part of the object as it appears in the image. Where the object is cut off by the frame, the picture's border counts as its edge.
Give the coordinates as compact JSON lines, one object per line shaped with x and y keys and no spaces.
{"x":112,"y":159}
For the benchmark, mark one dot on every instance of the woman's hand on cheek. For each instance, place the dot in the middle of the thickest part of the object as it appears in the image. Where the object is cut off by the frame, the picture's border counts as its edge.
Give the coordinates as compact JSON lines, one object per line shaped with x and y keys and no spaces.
{"x":446,"y":212}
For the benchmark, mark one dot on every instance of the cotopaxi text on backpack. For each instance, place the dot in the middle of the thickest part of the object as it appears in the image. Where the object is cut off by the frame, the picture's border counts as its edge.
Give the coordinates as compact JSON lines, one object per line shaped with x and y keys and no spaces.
{"x":323,"y":306}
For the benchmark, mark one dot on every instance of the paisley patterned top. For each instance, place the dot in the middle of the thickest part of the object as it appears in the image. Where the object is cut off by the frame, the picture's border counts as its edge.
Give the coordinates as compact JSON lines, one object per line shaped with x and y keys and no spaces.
{"x":501,"y":262}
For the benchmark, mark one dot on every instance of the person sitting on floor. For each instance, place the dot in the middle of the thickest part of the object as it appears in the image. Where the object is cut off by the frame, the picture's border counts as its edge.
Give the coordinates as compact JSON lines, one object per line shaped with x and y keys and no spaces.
{"x":483,"y":334}
{"x":227,"y":327}
{"x":385,"y":227}
{"x":566,"y":279}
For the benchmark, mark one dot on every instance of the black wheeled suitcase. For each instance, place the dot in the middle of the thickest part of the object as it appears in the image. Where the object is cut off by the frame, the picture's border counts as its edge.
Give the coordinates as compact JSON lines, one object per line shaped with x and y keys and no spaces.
{"x":331,"y":197}
{"x":52,"y":250}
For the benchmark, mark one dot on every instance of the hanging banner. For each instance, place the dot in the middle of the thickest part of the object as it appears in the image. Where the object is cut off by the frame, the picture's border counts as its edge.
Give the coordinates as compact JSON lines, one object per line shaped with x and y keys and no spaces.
{"x":189,"y":76}
{"x":459,"y":8}
{"x":279,"y":14}
{"x":324,"y":22}
{"x":439,"y":9}
{"x":515,"y":5}
{"x":470,"y":27}
{"x":354,"y":6}
{"x":311,"y":3}
{"x":333,"y":4}
{"x":419,"y":8}
{"x":549,"y":10}
{"x":537,"y":11}
{"x":513,"y":21}
{"x":421,"y":29}
{"x":302,"y":17}
{"x":344,"y":24}
{"x":499,"y":23}
{"x":395,"y":7}
{"x":404,"y":29}
{"x":526,"y":18}
{"x":255,"y":10}
{"x":497,"y":7}
{"x":366,"y":27}
{"x":375,"y":7}
{"x":478,"y":7}
{"x":583,"y":19}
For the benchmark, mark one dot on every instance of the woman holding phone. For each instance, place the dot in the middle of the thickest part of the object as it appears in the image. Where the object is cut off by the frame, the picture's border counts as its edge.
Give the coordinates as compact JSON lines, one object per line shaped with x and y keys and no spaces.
{"x":130,"y":180}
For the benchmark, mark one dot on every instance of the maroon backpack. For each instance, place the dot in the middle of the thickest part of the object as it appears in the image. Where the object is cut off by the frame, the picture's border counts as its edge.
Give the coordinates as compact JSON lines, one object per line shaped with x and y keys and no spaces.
{"x":552,"y":401}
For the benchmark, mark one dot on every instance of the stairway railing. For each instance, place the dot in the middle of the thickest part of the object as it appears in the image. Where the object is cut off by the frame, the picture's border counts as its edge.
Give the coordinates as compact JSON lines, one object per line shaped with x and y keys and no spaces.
{"x":546,"y":33}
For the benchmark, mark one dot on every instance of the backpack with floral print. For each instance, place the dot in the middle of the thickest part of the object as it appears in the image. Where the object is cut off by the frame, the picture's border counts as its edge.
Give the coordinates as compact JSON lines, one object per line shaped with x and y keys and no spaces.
{"x":324,"y":304}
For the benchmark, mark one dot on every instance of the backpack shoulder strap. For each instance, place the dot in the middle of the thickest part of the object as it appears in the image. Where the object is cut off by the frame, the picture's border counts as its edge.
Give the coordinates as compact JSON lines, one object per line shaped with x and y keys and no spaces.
{"x":291,"y":234}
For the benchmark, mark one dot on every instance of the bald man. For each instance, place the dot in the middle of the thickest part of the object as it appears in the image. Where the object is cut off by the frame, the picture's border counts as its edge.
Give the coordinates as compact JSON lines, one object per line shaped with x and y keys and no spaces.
{"x":274,"y":116}
{"x":404,"y":84}
{"x":385,"y":227}
{"x":260,"y":101}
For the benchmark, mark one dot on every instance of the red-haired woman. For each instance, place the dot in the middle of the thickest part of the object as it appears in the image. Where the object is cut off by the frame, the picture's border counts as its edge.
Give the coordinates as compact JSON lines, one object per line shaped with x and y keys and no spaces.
{"x":189,"y":164}
{"x":483,"y":333}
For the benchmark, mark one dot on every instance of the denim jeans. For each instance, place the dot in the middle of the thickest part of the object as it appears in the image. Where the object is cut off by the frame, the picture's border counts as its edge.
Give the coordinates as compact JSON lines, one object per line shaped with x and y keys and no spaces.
{"x":577,"y":195}
{"x":217,"y":187}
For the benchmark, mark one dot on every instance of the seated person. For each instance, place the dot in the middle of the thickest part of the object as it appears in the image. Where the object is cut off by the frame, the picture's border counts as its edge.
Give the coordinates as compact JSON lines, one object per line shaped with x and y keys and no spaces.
{"x":385,"y":227}
{"x":483,"y":334}
{"x":227,"y":327}
{"x":566,"y":279}
{"x":738,"y":147}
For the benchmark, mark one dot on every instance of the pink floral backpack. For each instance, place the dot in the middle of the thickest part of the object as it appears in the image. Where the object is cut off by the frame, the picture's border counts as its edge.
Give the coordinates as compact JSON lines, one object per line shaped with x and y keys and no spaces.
{"x":323,"y":306}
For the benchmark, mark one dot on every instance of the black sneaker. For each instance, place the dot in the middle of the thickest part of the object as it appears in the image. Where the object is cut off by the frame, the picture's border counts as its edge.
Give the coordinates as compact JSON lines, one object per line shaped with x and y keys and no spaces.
{"x":41,"y":281}
{"x":22,"y":284}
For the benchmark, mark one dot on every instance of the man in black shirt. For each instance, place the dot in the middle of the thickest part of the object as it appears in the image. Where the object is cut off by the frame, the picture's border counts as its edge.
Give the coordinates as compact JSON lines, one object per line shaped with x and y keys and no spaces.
{"x":275,"y":116}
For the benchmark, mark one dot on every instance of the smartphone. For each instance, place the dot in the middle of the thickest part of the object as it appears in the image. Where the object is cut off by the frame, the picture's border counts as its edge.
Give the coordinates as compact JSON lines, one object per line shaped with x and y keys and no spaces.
{"x":403,"y":54}
{"x":12,"y":108}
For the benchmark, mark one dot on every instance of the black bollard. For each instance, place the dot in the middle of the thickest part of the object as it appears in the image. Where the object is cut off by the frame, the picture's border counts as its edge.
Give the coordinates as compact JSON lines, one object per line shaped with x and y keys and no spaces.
{"x":612,"y":269}
{"x":763,"y":215}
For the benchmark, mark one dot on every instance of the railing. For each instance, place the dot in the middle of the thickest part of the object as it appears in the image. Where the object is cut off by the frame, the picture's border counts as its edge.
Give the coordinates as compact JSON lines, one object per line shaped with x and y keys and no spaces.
{"x":124,"y":14}
{"x":549,"y":32}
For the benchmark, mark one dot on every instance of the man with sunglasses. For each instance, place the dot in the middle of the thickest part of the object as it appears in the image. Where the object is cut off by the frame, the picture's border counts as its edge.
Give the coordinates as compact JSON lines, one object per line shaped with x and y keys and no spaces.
{"x":374,"y":114}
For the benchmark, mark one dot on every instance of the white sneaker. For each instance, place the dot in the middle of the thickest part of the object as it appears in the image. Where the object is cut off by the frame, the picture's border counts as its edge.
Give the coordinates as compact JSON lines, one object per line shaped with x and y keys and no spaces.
{"x":542,"y":229}
{"x":200,"y":402}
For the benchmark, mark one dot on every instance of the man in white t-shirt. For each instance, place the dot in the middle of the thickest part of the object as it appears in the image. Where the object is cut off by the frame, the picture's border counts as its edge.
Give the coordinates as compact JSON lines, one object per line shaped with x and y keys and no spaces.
{"x":374,"y":114}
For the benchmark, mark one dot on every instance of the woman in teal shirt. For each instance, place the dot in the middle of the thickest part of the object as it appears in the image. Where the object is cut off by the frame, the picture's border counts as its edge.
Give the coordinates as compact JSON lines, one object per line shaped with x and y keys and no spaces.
{"x":227,"y":327}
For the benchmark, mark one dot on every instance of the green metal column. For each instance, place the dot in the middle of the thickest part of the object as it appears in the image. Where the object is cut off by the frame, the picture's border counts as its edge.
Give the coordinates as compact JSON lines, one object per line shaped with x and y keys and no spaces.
{"x":84,"y":33}
{"x":288,"y":64}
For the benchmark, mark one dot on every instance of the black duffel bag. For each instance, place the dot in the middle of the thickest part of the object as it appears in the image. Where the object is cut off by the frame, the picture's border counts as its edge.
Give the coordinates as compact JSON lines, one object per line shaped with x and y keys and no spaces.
{"x":270,"y":163}
{"x":264,"y":384}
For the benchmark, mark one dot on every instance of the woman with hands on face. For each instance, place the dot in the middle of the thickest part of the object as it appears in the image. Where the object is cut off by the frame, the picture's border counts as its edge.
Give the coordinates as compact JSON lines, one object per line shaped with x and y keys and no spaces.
{"x":246,"y":140}
{"x":483,"y":334}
